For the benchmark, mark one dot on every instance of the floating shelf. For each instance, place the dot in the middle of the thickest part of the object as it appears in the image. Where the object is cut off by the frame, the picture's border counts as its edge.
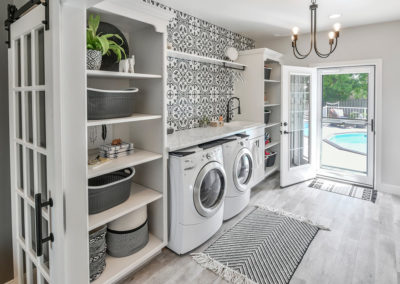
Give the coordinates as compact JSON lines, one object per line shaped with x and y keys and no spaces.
{"x":117,"y":268}
{"x":132,"y":118}
{"x":138,"y":157}
{"x":139,"y":197}
{"x":272,"y":81}
{"x":272,"y":144}
{"x":120,"y":75}
{"x":272,"y":124}
{"x":204,"y":59}
{"x":271,"y":105}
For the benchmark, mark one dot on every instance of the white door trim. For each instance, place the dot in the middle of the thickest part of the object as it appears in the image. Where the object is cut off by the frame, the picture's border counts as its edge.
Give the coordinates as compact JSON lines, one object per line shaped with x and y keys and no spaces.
{"x":378,"y":63}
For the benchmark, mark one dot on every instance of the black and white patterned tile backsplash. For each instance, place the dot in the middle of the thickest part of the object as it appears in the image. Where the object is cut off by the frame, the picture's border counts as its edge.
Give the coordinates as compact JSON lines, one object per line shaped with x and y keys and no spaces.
{"x":198,"y":89}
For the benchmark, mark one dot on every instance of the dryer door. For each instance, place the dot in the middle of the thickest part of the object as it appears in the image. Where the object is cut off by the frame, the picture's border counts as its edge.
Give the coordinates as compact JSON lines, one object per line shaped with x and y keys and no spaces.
{"x":209,"y":189}
{"x":243,"y":169}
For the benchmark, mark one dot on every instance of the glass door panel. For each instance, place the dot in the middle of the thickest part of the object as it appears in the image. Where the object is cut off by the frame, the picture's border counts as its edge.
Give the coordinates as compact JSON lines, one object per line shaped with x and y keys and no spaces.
{"x":298,"y":133}
{"x":346,"y":139}
{"x":299,"y":119}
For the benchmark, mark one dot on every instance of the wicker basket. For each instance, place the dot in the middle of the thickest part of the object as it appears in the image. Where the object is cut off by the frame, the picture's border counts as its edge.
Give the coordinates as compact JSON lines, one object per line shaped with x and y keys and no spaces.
{"x":97,"y":252}
{"x":270,"y":160}
{"x":105,"y":104}
{"x":124,"y":243}
{"x":109,"y":190}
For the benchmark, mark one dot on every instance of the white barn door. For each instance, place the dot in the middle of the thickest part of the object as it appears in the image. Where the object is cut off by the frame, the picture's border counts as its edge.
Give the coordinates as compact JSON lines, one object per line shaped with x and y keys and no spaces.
{"x":32,"y":150}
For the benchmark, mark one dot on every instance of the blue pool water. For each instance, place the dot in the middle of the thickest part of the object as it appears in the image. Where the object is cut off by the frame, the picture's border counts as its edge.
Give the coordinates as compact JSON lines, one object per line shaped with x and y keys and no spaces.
{"x":355,"y":142}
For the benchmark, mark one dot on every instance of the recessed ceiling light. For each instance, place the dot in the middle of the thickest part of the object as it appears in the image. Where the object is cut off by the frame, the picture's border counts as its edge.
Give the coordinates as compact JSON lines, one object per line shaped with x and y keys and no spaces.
{"x":335,"y":16}
{"x":277,"y":35}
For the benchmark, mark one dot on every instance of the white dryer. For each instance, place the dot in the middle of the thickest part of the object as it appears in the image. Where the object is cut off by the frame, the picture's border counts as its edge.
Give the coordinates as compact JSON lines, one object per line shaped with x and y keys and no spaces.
{"x":239,"y":168}
{"x":196,"y":196}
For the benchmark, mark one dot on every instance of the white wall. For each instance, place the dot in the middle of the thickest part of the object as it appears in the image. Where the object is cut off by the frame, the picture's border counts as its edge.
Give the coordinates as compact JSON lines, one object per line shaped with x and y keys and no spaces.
{"x":379,"y":41}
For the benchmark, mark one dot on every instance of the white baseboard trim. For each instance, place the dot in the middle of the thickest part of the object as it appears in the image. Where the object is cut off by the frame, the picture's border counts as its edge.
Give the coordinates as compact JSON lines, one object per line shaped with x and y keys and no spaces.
{"x":389,"y":188}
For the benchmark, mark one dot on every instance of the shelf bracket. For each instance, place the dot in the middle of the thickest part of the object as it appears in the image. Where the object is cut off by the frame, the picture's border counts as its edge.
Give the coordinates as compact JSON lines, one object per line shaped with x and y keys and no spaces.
{"x":13,"y":14}
{"x":226,"y":65}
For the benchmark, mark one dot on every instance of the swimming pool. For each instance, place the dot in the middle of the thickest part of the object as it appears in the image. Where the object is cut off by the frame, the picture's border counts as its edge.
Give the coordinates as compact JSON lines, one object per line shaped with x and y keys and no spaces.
{"x":355,"y":142}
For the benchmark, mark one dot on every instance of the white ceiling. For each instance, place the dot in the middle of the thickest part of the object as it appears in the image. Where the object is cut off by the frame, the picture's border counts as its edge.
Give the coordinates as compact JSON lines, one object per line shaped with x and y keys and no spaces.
{"x":261,"y":19}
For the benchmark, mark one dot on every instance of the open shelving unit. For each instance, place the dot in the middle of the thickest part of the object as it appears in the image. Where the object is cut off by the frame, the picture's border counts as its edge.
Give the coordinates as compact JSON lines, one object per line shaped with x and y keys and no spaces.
{"x":258,"y":94}
{"x":145,"y":30}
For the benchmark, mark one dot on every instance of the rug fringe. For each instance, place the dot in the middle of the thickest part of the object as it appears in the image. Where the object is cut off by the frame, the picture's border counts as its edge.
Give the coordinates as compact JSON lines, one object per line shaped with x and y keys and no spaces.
{"x":220,"y":269}
{"x":294,"y":216}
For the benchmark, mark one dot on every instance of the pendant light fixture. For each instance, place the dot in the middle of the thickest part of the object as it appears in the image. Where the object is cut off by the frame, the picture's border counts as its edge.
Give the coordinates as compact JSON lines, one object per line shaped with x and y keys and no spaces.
{"x":333,"y":36}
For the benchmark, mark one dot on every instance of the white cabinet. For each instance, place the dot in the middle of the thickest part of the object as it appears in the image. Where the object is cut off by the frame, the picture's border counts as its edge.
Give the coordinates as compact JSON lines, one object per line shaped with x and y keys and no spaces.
{"x":257,"y":95}
{"x":49,"y":136}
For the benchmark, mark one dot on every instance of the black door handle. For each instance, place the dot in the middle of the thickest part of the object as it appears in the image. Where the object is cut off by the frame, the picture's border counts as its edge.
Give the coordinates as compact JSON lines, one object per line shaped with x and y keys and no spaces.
{"x":38,"y":218}
{"x":285,"y":132}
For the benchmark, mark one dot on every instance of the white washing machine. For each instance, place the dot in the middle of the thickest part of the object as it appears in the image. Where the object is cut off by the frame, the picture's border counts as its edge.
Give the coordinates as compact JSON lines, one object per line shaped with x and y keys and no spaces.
{"x":196,"y":196}
{"x":239,"y":168}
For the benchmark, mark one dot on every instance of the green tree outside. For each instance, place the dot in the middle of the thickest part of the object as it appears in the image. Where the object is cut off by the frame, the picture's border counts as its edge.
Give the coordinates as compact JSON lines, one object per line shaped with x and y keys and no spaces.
{"x":341,"y":87}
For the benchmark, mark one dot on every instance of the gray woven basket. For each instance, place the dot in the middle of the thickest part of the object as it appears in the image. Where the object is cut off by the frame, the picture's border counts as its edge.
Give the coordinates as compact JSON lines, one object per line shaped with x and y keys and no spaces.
{"x":121,"y":244}
{"x":105,"y":104}
{"x":109,"y":190}
{"x":97,"y":252}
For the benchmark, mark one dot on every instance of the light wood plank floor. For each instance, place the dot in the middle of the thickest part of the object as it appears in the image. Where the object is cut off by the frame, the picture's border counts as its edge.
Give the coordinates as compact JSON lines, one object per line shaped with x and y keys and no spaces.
{"x":363,"y":245}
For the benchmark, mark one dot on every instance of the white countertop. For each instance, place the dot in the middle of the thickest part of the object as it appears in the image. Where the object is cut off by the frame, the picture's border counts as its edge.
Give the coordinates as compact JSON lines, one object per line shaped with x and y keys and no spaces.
{"x":187,"y":138}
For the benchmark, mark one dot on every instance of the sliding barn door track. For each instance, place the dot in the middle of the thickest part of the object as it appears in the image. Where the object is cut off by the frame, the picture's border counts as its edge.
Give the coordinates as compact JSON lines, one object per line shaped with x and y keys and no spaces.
{"x":13,"y":14}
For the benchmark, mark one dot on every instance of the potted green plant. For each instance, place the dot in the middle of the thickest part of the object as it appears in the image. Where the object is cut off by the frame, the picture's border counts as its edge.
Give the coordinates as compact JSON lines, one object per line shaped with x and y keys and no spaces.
{"x":98,"y":45}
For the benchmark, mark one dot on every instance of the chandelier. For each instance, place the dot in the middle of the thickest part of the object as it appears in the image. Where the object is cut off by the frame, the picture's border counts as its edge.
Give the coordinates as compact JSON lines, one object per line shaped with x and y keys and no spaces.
{"x":333,"y":36}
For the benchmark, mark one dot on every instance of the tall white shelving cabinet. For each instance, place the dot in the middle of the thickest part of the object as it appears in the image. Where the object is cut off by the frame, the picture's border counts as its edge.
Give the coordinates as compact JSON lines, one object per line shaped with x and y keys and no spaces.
{"x":62,"y":47}
{"x":258,"y":94}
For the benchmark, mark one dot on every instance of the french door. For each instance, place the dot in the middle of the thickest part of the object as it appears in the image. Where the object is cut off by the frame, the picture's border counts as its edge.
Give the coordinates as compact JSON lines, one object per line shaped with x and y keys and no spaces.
{"x":32,"y":150}
{"x":298,"y":129}
{"x":346,"y":118}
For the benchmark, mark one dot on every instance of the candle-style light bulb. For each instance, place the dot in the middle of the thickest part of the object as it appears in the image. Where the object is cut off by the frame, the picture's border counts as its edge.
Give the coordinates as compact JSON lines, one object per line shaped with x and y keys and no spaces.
{"x":331,"y":35}
{"x":295,"y":30}
{"x":337,"y":27}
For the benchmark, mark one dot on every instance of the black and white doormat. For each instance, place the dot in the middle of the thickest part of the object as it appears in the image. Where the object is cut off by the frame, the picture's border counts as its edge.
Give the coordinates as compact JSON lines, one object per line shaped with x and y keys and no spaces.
{"x":266,"y":246}
{"x":359,"y":192}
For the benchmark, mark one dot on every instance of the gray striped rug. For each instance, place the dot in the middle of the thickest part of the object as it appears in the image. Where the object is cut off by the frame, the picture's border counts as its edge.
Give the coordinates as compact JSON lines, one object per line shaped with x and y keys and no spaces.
{"x":264,"y":247}
{"x":359,"y":192}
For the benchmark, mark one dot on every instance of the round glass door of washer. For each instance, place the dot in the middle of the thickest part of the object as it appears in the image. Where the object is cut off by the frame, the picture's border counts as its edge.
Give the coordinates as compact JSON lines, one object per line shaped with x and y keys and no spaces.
{"x":243,"y":169}
{"x":209,"y":189}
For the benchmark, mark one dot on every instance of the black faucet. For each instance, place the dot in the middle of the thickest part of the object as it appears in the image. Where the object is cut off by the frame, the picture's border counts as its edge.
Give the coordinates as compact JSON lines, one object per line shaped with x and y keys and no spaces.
{"x":228,"y":109}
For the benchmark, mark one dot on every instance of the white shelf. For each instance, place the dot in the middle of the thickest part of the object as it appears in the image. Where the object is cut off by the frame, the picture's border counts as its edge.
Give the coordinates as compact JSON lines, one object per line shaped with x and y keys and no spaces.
{"x":270,"y":145}
{"x":204,"y":59}
{"x":271,"y":105}
{"x":272,"y":124}
{"x":117,"y":268}
{"x":120,"y":75}
{"x":132,"y":118}
{"x":271,"y":81}
{"x":138,"y":157}
{"x":139,"y":197}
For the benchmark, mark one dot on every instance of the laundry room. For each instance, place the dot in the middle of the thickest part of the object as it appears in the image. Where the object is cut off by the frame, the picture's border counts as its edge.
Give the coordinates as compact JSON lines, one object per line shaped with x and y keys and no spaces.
{"x":157,"y":142}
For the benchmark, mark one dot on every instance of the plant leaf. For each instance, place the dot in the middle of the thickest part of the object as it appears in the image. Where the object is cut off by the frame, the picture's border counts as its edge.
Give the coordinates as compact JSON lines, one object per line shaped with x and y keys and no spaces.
{"x":104,"y":44}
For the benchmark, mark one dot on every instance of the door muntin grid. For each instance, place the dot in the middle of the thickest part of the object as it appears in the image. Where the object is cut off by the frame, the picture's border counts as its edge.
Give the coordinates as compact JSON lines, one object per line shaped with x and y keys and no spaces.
{"x":28,"y":96}
{"x":299,"y":119}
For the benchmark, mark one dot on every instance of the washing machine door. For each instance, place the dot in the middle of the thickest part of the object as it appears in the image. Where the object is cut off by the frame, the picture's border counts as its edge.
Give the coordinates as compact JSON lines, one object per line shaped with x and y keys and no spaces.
{"x":209,"y":189}
{"x":243,"y":169}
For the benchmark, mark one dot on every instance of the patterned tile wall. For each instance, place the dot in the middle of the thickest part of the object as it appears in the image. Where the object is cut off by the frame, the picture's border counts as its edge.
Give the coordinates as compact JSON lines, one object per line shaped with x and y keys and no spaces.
{"x":198,"y":89}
